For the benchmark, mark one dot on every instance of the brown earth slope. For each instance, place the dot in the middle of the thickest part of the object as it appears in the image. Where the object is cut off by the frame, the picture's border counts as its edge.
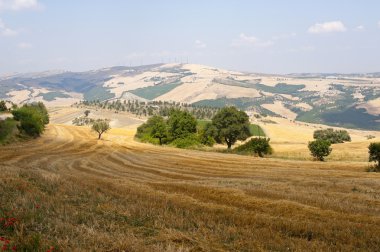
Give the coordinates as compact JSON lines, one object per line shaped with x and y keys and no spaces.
{"x":74,"y":192}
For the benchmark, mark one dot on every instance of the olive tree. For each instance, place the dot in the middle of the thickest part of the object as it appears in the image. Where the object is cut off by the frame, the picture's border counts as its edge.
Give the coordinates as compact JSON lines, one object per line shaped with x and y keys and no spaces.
{"x":100,"y":126}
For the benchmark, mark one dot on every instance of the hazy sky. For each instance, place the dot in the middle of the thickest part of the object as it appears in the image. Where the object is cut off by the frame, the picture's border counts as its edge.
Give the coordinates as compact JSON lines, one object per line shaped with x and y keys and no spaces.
{"x":257,"y":36}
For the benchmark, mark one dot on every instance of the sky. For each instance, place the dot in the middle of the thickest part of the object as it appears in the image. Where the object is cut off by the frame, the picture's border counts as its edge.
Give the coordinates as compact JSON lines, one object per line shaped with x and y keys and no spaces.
{"x":271,"y":36}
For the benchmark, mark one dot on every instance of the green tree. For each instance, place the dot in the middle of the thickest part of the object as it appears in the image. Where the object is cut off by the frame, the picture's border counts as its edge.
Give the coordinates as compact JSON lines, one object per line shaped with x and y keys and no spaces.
{"x":231,"y":125}
{"x":208,"y":134}
{"x":43,"y":110}
{"x":181,"y":124}
{"x":320,"y":149}
{"x":374,"y":154}
{"x":142,"y":130}
{"x":158,"y":127}
{"x":259,"y":146}
{"x":3,"y":106}
{"x":100,"y":126}
{"x":32,"y":118}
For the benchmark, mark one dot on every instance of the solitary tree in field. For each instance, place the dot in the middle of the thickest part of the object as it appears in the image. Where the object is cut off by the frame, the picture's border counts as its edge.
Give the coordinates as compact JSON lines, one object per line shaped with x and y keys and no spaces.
{"x":231,"y":125}
{"x":159,"y":128}
{"x":87,"y":112}
{"x":320,"y":149}
{"x":100,"y":126}
{"x":374,"y":154}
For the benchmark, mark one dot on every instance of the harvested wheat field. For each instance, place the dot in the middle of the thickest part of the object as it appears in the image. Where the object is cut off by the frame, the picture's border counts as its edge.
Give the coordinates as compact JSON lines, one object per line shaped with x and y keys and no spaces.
{"x":72,"y":192}
{"x":289,"y":140}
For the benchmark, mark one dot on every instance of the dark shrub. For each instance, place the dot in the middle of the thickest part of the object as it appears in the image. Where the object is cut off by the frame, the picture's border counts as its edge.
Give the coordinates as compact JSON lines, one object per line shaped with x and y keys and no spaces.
{"x":374,"y":155}
{"x":186,"y":142}
{"x":334,"y":136}
{"x":3,"y":106}
{"x":320,"y":149}
{"x":208,"y":134}
{"x":259,"y":146}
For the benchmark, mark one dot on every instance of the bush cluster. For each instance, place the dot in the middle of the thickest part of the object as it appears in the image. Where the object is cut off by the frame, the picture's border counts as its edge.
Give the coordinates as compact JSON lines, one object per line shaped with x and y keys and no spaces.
{"x":333,"y":136}
{"x":258,"y":146}
{"x":8,"y":130}
{"x":179,"y":129}
{"x":186,"y":142}
{"x":32,"y":118}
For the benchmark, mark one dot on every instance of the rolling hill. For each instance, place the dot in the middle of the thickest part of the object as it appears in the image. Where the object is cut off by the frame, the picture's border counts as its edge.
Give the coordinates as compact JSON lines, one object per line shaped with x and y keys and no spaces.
{"x":351,"y":101}
{"x":72,"y":192}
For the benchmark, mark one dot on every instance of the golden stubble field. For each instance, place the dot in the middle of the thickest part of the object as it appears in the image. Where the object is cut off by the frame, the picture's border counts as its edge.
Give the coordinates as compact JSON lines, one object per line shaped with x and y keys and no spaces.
{"x":75,"y":193}
{"x":289,"y":140}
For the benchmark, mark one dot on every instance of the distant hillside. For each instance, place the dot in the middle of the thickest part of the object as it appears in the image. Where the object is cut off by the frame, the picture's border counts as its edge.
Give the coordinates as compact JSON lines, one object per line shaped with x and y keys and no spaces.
{"x":333,"y":99}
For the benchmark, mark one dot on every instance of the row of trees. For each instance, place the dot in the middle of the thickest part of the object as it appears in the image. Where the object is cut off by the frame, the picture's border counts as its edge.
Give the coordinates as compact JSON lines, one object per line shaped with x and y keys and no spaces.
{"x":162,"y":108}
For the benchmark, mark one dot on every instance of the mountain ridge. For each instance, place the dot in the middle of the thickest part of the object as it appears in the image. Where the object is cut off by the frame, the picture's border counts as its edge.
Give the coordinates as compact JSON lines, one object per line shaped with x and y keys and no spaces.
{"x":349,"y":100}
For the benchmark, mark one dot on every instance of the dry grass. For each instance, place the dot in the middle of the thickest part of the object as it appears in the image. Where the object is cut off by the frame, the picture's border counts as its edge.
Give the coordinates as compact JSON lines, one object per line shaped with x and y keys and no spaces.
{"x":352,"y":152}
{"x":289,"y":140}
{"x":70,"y":191}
